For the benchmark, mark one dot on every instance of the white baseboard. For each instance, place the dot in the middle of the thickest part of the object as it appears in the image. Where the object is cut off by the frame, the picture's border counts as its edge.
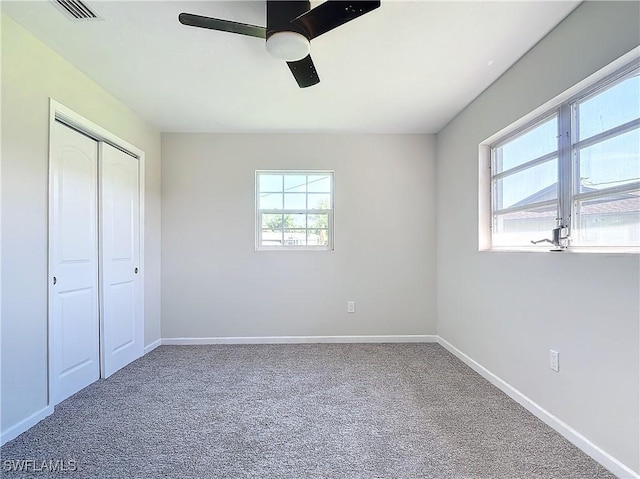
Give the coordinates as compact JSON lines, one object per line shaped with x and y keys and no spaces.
{"x":151,"y":346}
{"x":573,"y":436}
{"x":410,"y":338}
{"x":27,"y":423}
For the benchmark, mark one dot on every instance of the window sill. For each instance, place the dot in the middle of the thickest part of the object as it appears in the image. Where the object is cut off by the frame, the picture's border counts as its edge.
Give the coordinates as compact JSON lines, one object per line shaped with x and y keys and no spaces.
{"x":261,"y":249}
{"x":616,"y":251}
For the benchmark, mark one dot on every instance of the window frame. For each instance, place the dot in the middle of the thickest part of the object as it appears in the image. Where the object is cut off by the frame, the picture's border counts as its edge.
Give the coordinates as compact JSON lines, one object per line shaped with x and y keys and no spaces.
{"x":565,"y":108}
{"x":532,"y":163}
{"x":285,"y":246}
{"x":575,"y":144}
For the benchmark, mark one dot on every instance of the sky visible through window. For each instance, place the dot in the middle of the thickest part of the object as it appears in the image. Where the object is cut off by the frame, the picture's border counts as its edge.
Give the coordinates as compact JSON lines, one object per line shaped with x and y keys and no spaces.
{"x":292,"y":192}
{"x":612,"y":162}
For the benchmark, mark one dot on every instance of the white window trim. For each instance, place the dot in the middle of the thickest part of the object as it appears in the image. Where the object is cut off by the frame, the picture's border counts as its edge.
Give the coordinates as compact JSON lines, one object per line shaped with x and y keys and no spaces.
{"x":611,"y":73}
{"x":259,"y":213}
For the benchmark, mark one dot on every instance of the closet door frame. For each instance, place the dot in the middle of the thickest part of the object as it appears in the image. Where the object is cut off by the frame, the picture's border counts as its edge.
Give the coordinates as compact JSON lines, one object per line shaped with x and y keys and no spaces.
{"x":59,"y":112}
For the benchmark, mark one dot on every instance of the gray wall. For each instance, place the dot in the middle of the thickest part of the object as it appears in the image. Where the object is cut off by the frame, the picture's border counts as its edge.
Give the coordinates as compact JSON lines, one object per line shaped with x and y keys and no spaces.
{"x":31,"y":73}
{"x":214,"y":283}
{"x":506,"y":310}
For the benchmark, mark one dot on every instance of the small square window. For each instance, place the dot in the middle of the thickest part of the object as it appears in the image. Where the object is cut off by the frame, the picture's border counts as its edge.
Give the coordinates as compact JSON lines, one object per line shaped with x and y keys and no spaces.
{"x":294,"y":210}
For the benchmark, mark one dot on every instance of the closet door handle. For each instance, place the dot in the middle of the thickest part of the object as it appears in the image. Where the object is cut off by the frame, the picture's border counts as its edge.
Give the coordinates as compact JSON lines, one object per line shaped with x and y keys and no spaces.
{"x":55,"y":280}
{"x":135,"y":271}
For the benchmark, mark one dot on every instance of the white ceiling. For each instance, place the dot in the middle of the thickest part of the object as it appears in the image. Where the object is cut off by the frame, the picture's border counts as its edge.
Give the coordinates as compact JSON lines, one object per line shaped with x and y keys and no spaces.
{"x":407,"y":67}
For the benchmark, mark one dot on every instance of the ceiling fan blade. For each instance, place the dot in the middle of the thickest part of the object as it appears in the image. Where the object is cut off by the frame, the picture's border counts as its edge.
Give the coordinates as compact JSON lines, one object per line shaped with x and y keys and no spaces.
{"x":304,"y":72}
{"x":192,"y":20}
{"x":332,"y":14}
{"x":280,"y":13}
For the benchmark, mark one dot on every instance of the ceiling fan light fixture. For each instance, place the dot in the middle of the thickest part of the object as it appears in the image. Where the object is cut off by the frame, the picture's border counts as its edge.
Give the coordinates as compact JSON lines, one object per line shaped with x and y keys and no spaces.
{"x":288,"y":46}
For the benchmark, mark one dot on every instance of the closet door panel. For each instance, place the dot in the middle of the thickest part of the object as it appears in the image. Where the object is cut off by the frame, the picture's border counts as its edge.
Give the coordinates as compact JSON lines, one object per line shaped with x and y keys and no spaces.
{"x":73,"y":262}
{"x":120,"y":232}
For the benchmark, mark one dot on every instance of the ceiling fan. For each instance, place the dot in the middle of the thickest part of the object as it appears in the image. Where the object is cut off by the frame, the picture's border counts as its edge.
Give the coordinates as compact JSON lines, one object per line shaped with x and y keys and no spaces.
{"x":291,"y":25}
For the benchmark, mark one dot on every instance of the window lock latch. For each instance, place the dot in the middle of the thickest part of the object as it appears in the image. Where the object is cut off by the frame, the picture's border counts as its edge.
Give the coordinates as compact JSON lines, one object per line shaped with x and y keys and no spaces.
{"x":560,"y":238}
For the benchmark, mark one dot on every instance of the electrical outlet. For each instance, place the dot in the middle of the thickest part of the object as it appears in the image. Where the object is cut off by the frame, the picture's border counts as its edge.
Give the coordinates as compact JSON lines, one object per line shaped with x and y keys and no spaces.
{"x":554,"y":360}
{"x":351,"y":306}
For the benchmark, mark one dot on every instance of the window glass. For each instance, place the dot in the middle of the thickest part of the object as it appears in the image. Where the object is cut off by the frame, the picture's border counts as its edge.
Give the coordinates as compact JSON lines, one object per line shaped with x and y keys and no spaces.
{"x":609,"y":220}
{"x":319,"y":201}
{"x":295,"y":201}
{"x":295,"y":237}
{"x":271,"y":201}
{"x":271,"y":182}
{"x":319,"y":183}
{"x":295,"y":183}
{"x":536,"y":142}
{"x":583,"y":181}
{"x":519,"y":228}
{"x":533,"y":185}
{"x":273,"y":222}
{"x":613,"y":162}
{"x":319,"y":237}
{"x":318,"y":221}
{"x":294,"y":209}
{"x":612,"y":107}
{"x":298,"y":220}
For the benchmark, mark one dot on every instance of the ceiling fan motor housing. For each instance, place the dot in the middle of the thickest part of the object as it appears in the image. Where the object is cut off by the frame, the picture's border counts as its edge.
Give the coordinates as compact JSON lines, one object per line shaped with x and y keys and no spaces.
{"x":285,"y":40}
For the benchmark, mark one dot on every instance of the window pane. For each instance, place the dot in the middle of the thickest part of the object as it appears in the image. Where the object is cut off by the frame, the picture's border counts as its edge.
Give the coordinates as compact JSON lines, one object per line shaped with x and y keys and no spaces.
{"x":610,"y":163}
{"x":295,"y":237}
{"x":533,"y":144}
{"x":319,"y":184}
{"x":287,"y":220}
{"x":521,"y":227}
{"x":297,"y":220}
{"x":295,"y":201}
{"x":318,"y":221}
{"x":609,"y":221}
{"x":271,"y":238}
{"x":272,"y":222}
{"x":532,"y":185}
{"x":319,"y":201}
{"x":270,"y":182}
{"x":318,"y":236}
{"x":271,"y":201}
{"x":285,"y":200}
{"x":295,"y":183}
{"x":612,"y":107}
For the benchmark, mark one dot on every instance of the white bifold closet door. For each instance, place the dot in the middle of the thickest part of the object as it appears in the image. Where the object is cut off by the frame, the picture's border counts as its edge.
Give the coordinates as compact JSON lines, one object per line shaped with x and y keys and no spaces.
{"x":95,"y":310}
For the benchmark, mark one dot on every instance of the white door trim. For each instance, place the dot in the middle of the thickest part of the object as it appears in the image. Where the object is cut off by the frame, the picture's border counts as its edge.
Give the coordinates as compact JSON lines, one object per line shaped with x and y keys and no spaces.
{"x":59,"y":112}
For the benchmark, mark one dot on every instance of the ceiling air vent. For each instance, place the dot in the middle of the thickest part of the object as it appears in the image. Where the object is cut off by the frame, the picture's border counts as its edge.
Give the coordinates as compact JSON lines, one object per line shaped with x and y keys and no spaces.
{"x":76,"y":10}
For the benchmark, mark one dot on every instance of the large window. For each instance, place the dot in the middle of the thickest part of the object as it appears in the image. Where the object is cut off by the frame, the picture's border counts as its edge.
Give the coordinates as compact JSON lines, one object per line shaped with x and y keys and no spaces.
{"x":294,"y":210}
{"x":575,"y":169}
